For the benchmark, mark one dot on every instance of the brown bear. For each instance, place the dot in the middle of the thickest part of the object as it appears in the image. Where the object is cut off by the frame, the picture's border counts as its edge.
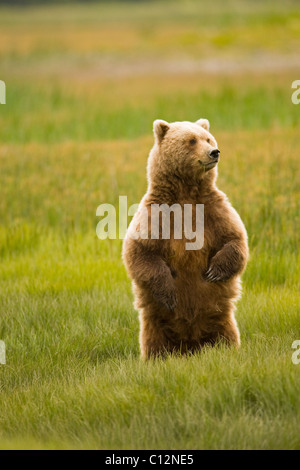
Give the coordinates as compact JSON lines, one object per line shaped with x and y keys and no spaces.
{"x":185,"y":297}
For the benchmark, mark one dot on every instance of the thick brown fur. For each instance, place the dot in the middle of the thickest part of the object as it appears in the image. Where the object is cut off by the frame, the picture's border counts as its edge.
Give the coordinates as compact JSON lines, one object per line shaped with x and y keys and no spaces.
{"x":186,"y":298}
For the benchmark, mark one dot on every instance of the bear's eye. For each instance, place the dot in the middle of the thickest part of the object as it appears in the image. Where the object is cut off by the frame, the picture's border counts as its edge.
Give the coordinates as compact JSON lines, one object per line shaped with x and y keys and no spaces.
{"x":208,"y":140}
{"x":193,"y":141}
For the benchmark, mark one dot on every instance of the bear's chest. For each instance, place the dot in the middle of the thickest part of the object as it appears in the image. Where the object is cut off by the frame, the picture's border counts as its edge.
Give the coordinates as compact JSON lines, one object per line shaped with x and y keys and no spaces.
{"x":199,"y":240}
{"x":185,"y":254}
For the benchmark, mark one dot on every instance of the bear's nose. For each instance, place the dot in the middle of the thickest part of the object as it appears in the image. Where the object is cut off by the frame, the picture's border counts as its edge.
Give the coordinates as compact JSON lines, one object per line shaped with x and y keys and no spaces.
{"x":214,"y":153}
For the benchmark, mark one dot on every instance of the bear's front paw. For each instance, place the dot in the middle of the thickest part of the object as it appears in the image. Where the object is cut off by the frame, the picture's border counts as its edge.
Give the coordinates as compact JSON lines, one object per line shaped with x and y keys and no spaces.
{"x":216,"y":274}
{"x":167,"y":299}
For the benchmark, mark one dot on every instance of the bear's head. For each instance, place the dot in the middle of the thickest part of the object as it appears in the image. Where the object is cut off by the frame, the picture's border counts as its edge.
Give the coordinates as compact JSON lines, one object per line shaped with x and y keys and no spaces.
{"x":184,"y":149}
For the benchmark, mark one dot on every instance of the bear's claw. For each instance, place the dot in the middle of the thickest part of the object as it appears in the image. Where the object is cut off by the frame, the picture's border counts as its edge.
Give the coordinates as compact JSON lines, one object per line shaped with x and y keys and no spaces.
{"x":212,"y":276}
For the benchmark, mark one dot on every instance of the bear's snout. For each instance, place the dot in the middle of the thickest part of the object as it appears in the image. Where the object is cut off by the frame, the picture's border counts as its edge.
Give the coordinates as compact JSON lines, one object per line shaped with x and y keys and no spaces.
{"x":214,"y":153}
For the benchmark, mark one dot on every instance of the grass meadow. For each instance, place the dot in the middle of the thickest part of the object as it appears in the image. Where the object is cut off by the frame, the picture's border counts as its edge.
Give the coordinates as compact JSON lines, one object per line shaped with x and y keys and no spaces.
{"x":84,"y":84}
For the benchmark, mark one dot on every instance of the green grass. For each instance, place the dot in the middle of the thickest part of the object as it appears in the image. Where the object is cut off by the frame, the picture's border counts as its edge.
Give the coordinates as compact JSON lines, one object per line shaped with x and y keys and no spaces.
{"x":71,"y":139}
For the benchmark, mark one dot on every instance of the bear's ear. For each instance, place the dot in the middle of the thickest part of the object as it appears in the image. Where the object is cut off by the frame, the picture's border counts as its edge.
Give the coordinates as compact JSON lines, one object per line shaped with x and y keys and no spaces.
{"x":203,"y":123}
{"x":160,"y":129}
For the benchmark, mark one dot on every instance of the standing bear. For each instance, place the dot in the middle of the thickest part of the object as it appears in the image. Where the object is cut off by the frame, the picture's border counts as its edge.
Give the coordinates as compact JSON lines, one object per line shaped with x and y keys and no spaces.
{"x":185,"y":297}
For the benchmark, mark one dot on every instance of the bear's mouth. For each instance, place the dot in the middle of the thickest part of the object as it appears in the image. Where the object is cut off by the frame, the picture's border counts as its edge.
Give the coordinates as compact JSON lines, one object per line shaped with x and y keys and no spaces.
{"x":209,"y":165}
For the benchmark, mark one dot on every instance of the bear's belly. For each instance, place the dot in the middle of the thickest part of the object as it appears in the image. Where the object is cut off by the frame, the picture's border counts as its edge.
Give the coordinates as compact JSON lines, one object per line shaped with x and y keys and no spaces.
{"x":196,"y":296}
{"x":200,"y":313}
{"x":202,"y":310}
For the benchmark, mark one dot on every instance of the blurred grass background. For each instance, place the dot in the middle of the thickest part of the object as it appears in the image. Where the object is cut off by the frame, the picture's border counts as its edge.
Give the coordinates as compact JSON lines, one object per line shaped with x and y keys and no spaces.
{"x":84,"y":83}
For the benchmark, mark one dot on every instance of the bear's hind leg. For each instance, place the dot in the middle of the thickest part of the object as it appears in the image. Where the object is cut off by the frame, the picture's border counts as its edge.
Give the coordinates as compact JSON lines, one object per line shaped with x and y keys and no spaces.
{"x":229,"y":332}
{"x":153,"y":342}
